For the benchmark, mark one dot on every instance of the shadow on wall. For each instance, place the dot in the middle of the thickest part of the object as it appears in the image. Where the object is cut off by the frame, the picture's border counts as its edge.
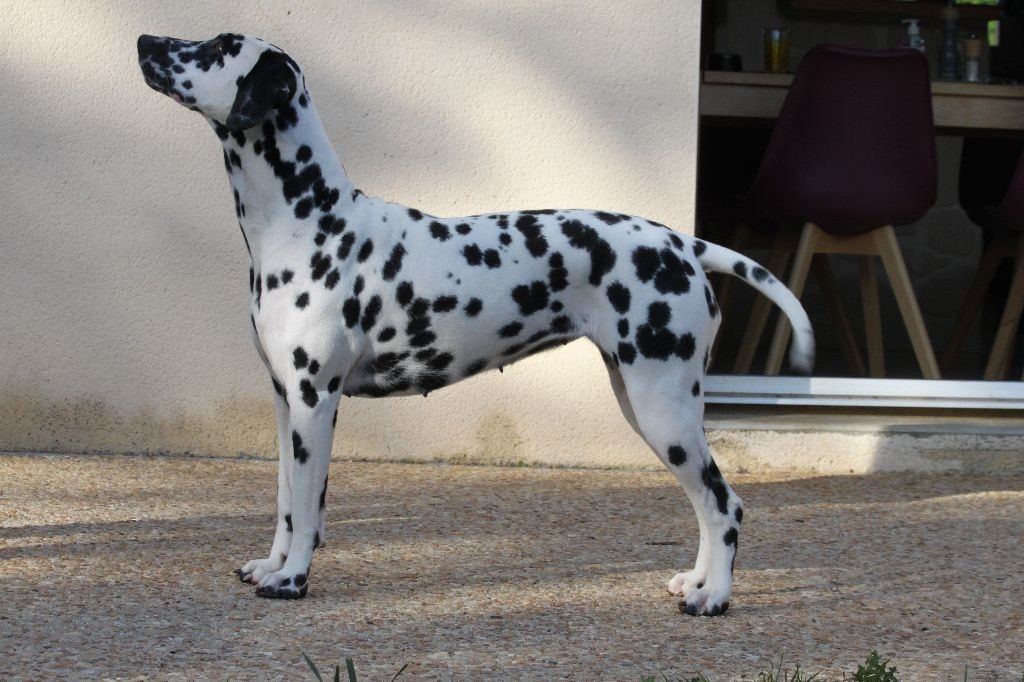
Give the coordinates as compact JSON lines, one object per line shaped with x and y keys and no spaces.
{"x":123,"y":272}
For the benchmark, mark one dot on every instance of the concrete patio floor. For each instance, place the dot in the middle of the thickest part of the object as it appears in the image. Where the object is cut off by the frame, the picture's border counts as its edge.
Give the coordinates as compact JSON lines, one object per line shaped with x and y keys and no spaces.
{"x":120,"y":567}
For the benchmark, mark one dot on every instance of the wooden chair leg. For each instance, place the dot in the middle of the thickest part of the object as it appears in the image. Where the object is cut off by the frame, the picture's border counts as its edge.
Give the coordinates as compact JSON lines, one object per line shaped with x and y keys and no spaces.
{"x":994,"y":253}
{"x":896,"y":269}
{"x":797,"y":279}
{"x":1002,"y":349}
{"x":778,"y":259}
{"x":868,"y":271}
{"x":830,"y":294}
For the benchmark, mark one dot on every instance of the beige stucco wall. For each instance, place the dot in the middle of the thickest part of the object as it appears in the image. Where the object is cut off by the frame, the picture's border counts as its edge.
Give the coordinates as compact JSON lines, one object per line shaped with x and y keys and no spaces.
{"x":123,"y":279}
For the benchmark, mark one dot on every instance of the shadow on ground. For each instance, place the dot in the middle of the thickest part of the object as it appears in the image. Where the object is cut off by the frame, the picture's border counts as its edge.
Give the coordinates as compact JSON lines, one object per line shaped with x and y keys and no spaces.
{"x":119,"y":566}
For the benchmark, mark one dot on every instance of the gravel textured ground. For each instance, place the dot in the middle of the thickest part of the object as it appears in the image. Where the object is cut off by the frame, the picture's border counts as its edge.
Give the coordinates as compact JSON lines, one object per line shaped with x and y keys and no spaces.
{"x":120,"y":567}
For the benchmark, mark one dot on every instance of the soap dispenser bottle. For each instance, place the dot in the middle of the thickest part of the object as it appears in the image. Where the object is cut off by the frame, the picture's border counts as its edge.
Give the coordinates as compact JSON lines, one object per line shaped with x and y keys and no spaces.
{"x":913,"y":39}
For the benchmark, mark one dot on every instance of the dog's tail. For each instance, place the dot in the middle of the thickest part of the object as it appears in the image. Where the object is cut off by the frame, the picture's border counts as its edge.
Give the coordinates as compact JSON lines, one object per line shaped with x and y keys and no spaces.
{"x":720,"y":259}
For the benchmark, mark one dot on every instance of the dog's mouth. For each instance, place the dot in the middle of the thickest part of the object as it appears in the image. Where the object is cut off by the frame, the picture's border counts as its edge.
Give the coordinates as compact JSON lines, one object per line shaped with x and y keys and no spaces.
{"x":160,"y":82}
{"x":156,"y":63}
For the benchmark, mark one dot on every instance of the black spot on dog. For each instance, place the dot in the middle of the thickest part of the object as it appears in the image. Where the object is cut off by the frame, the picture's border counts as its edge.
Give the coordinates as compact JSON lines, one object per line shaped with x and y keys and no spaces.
{"x":699,"y":247}
{"x":385,"y":362}
{"x":417,"y":325}
{"x":463,"y":228}
{"x":602,"y":257}
{"x":422,"y":339}
{"x":300,"y":358}
{"x":394,"y":263}
{"x":627,"y":353}
{"x":472,"y":254}
{"x":619,"y":297}
{"x":505,"y":238}
{"x":712,"y":479}
{"x":710,"y":298}
{"x":536,"y":244}
{"x":323,"y":500}
{"x":561,"y":325}
{"x":320,"y":263}
{"x":739,"y":514}
{"x":332,"y":279}
{"x":271,"y":282}
{"x":531,"y":297}
{"x":655,"y":343}
{"x":647,"y":261}
{"x":304,"y":153}
{"x":758,"y":273}
{"x":444,"y":304}
{"x":556,"y":306}
{"x":420,"y":308}
{"x":351,"y":309}
{"x":308,"y":393}
{"x":333,"y":384}
{"x":286,"y":276}
{"x":623,"y":327}
{"x":492,"y":259}
{"x":686,"y":346}
{"x":475,"y":368}
{"x":473,"y":307}
{"x":357,"y":286}
{"x":415,"y":215}
{"x":740,"y":268}
{"x":610,"y":218}
{"x":364,"y":251}
{"x":288,"y":517}
{"x":676,"y":456}
{"x":279,"y":389}
{"x":730,"y":536}
{"x":676,"y":241}
{"x":511,"y":329}
{"x":314,"y":366}
{"x":301,"y":454}
{"x":695,"y":389}
{"x":404,"y":293}
{"x":302,"y":300}
{"x":439,"y":231}
{"x":558,"y":276}
{"x":658,"y":314}
{"x":440,"y":361}
{"x":345,"y":248}
{"x":386,"y":334}
{"x":673,"y":277}
{"x":370,"y":313}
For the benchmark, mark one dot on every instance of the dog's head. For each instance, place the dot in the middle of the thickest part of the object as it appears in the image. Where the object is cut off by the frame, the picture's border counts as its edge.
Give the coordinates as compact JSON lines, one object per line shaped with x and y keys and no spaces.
{"x":232,"y":79}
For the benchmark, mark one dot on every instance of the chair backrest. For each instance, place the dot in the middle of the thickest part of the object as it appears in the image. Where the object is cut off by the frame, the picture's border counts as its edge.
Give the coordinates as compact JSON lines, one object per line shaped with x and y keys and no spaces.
{"x":1011,"y":211}
{"x":854,"y":145}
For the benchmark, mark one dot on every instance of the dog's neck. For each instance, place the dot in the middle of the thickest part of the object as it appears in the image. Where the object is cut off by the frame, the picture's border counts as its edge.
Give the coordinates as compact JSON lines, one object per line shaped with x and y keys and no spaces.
{"x":284,"y":175}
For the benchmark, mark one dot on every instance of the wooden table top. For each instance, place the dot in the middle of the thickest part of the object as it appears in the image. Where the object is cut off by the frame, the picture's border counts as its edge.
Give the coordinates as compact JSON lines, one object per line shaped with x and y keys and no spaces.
{"x":956,"y":106}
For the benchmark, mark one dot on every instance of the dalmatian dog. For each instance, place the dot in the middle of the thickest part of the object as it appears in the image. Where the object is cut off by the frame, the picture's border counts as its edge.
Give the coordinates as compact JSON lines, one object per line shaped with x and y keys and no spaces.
{"x":351,"y":295}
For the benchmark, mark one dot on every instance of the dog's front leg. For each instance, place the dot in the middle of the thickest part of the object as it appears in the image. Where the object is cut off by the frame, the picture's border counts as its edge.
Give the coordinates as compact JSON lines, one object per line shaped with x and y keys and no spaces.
{"x":255,"y":570}
{"x":311,"y":434}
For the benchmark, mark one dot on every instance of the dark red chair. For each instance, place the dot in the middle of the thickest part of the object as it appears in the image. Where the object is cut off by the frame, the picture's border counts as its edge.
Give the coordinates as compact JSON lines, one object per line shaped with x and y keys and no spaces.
{"x":851,"y":156}
{"x":985,"y":168}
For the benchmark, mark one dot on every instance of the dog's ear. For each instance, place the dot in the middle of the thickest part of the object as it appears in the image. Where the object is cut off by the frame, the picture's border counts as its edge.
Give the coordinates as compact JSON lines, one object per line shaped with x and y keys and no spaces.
{"x":269,"y":84}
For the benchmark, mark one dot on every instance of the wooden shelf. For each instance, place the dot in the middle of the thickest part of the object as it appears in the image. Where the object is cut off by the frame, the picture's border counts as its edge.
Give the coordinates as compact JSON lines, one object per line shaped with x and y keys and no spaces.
{"x":923,"y":9}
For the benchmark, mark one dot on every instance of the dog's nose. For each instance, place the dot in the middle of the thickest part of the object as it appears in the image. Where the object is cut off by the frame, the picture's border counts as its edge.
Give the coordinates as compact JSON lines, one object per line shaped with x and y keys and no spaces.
{"x":145,"y":42}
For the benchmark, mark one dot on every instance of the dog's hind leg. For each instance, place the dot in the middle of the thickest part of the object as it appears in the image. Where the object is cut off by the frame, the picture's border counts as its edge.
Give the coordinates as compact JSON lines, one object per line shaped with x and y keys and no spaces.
{"x":668,"y":407}
{"x":254,"y":571}
{"x":311,"y":433}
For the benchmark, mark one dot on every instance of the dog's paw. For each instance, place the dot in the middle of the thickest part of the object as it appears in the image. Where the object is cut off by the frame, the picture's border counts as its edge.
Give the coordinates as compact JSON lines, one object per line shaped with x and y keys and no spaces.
{"x":704,"y":601}
{"x":683,"y":584}
{"x":281,"y":585}
{"x":257,"y":569}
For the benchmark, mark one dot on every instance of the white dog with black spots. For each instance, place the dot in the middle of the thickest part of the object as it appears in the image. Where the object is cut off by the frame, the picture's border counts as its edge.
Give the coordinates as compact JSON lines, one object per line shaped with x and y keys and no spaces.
{"x":352,"y":295}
